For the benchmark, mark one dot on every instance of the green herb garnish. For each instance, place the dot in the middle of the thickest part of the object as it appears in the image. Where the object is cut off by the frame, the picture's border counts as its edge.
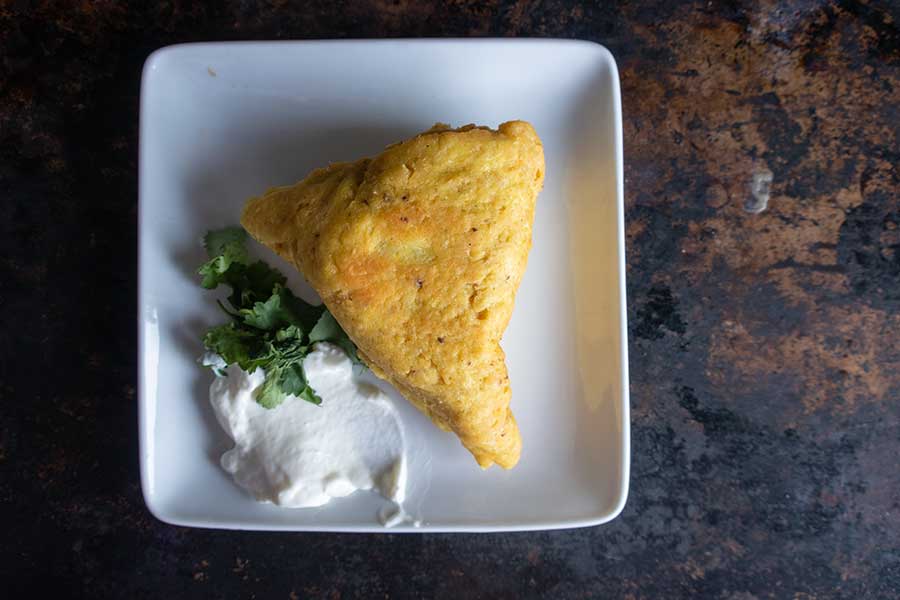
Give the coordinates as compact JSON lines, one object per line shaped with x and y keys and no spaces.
{"x":270,"y":328}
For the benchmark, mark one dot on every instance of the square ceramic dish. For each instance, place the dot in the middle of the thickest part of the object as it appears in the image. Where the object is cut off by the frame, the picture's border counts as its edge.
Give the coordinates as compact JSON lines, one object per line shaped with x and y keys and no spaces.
{"x":222,"y":122}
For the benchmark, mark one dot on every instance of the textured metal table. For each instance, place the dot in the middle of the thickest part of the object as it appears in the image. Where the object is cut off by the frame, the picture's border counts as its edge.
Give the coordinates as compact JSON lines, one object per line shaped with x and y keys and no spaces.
{"x":762,"y":145}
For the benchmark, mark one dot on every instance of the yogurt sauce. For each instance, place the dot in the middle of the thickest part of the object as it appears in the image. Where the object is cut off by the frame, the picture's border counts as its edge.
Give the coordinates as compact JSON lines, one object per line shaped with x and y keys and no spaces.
{"x":299,"y":454}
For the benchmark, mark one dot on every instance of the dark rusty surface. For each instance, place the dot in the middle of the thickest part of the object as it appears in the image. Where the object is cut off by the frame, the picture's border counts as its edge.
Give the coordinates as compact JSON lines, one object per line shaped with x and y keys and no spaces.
{"x":764,"y":354}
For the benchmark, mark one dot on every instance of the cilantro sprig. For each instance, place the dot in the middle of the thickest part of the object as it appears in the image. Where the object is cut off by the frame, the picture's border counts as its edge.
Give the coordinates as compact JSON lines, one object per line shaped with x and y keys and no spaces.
{"x":269,"y":328}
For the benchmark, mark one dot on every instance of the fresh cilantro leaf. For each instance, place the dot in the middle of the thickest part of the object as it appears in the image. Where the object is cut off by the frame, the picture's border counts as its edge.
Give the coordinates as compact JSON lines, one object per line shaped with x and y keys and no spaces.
{"x":250,"y":283}
{"x":305,"y":315}
{"x":268,"y":315}
{"x":310,"y":396}
{"x":229,"y":264}
{"x":269,"y":394}
{"x":225,"y":248}
{"x":269,"y":324}
{"x":291,"y":332}
{"x":293,"y":379}
{"x":234,"y":345}
{"x":329,"y":330}
{"x":255,"y":283}
{"x":281,"y":310}
{"x":326,"y":328}
{"x":213,"y":272}
{"x":283,"y":379}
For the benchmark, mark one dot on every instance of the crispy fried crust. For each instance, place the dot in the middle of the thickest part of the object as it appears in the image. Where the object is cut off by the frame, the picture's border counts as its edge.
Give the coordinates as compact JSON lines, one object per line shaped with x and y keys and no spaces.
{"x":418,"y":253}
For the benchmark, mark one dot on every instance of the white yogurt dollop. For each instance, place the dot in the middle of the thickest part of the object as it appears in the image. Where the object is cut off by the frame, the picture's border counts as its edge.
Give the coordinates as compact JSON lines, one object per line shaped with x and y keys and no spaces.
{"x":299,"y":454}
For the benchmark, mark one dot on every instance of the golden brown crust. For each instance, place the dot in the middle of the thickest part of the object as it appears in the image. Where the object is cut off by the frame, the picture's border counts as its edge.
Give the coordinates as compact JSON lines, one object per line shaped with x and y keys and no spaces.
{"x":418,"y":253}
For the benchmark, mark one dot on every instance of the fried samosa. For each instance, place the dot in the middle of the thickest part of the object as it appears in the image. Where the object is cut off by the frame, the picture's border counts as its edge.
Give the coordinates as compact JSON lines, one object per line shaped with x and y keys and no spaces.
{"x":418,"y":253}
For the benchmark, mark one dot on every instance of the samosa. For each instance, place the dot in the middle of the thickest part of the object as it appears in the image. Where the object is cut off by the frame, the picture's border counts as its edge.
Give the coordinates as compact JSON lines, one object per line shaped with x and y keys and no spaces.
{"x":418,"y":253}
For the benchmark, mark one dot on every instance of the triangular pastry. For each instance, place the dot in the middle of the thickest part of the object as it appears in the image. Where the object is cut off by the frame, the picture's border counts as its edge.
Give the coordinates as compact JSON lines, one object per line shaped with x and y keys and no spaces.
{"x":418,"y":253}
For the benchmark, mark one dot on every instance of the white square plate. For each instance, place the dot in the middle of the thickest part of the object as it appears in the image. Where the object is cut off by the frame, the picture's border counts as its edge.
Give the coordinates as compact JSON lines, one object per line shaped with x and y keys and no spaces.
{"x":222,"y":122}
